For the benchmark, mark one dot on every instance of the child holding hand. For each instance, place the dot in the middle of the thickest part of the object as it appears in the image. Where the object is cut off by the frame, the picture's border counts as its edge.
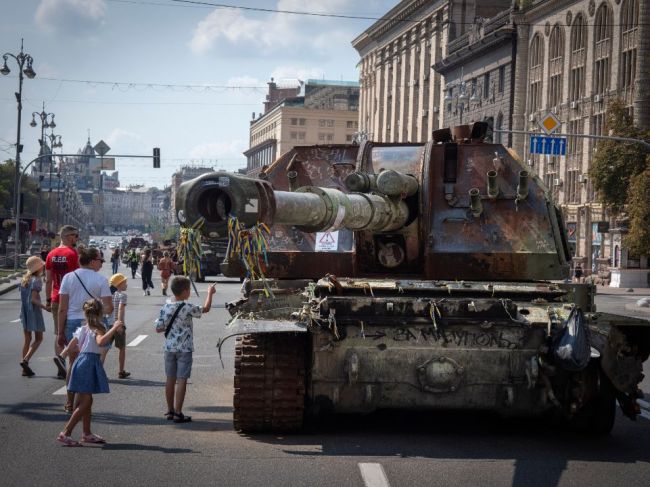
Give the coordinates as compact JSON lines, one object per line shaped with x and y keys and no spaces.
{"x":87,"y":376}
{"x":31,"y":314}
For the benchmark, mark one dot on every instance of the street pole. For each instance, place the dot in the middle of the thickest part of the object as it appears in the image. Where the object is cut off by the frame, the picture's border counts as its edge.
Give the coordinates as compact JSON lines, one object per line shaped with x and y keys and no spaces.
{"x":43,"y":116}
{"x":21,"y":59}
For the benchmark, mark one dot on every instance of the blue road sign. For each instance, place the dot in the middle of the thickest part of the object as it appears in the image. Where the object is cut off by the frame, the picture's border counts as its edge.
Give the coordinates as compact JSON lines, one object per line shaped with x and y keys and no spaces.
{"x":554,"y":146}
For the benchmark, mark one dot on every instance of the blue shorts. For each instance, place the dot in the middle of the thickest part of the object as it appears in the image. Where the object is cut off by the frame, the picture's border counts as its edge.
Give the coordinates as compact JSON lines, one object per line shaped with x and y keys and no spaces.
{"x":178,"y":364}
{"x":70,"y":327}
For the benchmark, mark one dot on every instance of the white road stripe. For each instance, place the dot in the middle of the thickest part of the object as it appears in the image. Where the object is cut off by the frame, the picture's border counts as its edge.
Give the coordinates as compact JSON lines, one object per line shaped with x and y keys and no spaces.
{"x":373,"y":475}
{"x":60,"y":392}
{"x":643,"y":404}
{"x":137,"y":341}
{"x":645,"y":414}
{"x":15,"y":321}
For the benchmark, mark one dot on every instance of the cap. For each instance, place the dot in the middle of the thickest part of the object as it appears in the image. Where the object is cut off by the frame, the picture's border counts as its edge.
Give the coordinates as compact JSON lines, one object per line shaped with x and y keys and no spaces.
{"x":117,"y":279}
{"x":34,"y":263}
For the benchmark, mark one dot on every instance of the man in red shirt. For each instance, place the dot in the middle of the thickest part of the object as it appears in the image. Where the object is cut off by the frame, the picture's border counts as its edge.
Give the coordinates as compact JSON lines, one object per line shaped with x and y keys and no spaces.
{"x":59,"y":262}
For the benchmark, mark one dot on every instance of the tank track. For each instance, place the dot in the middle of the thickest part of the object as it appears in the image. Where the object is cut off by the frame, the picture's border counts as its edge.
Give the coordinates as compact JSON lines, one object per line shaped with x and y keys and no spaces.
{"x":269,"y":382}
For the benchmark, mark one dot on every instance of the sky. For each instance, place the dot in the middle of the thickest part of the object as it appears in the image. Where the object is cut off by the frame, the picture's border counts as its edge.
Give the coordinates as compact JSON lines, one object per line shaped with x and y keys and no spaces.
{"x":182,"y":76}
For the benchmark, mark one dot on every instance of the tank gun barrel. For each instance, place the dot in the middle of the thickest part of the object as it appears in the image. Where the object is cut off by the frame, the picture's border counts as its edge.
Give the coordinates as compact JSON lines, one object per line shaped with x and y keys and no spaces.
{"x":216,"y":196}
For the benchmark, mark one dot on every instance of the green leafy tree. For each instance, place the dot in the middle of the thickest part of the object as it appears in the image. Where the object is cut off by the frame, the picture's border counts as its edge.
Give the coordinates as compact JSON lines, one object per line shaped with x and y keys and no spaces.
{"x":29,"y":188}
{"x":616,"y":163}
{"x":638,"y":209}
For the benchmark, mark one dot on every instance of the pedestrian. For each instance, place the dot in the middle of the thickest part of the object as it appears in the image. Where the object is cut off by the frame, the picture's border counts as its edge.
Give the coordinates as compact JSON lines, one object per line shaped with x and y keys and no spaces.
{"x":118,"y":286}
{"x":175,"y":321}
{"x":31,"y":311}
{"x":133,"y":262}
{"x":577,"y":273}
{"x":115,"y":260}
{"x":147,"y":272}
{"x":59,"y":262}
{"x":77,"y":287}
{"x":165,"y":268}
{"x":87,"y":375}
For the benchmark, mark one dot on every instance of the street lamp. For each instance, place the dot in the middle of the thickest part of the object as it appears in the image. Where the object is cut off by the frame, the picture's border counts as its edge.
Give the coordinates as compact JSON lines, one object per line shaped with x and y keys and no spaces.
{"x":47,"y":121}
{"x":55,"y":143}
{"x":24,"y":62}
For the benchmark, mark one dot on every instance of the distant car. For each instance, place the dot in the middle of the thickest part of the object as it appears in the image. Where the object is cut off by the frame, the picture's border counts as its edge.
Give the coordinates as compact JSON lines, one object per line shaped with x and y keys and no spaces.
{"x":112,"y":245}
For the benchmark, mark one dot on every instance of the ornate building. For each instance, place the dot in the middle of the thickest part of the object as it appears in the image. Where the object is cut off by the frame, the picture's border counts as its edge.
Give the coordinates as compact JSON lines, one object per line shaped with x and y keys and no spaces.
{"x":573,"y":58}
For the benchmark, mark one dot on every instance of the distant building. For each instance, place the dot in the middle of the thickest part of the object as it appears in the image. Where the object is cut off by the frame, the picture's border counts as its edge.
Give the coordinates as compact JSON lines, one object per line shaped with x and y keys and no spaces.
{"x":318,"y":112}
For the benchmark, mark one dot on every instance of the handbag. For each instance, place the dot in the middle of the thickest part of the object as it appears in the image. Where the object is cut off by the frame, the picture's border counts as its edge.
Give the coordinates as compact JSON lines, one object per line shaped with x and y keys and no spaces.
{"x":171,"y":322}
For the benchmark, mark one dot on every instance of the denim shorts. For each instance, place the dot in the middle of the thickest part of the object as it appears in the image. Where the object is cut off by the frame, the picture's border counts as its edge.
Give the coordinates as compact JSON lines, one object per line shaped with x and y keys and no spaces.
{"x":70,"y":327}
{"x":178,"y":364}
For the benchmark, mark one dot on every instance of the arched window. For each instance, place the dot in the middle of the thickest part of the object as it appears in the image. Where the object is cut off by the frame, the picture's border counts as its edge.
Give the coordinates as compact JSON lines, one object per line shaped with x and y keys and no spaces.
{"x":629,"y":43}
{"x":578,"y":58}
{"x":535,"y":73}
{"x":555,"y":66}
{"x":602,"y":48}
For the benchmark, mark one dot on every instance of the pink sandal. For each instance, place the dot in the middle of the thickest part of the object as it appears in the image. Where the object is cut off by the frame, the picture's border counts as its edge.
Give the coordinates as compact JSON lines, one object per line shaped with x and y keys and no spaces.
{"x":67,"y":440}
{"x":92,"y":438}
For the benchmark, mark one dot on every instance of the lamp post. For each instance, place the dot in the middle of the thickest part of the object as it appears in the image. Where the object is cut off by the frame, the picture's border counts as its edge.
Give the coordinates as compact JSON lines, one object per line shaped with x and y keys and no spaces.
{"x":24,"y":62}
{"x":55,"y":143}
{"x":47,"y":121}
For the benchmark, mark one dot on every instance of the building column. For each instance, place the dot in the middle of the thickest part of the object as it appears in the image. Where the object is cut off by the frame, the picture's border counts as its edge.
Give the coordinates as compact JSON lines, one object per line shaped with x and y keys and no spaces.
{"x":402,"y":115}
{"x":386,"y":87}
{"x":425,"y":79}
{"x":414,"y":81}
{"x":642,"y":82}
{"x":520,"y":83}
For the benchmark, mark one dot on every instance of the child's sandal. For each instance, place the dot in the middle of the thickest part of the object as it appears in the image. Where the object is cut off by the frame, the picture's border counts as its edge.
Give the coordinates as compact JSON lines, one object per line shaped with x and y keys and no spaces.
{"x":181,"y":418}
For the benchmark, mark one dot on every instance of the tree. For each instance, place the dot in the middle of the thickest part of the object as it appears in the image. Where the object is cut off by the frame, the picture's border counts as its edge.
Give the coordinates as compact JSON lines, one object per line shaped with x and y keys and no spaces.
{"x":616,"y":163}
{"x":29,"y":189}
{"x":638,"y":209}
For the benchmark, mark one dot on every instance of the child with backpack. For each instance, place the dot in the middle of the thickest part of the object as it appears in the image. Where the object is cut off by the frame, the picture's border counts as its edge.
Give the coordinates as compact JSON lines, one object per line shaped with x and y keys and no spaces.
{"x":175,"y":321}
{"x":31,"y":311}
{"x":87,"y":376}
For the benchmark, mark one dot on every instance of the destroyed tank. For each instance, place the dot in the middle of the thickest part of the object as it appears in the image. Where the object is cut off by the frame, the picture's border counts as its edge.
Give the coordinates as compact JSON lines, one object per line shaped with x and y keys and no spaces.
{"x":413,"y":276}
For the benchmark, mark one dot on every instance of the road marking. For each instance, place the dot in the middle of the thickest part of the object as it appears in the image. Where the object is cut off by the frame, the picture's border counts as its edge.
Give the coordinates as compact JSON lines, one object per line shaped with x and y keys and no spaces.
{"x":643,"y":404}
{"x":137,"y":341}
{"x":373,"y":475}
{"x":645,"y":414}
{"x":61,"y":392}
{"x":15,"y":321}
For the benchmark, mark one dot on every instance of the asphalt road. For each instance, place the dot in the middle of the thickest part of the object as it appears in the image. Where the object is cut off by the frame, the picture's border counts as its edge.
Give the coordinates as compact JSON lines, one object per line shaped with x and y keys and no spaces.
{"x":388,"y":448}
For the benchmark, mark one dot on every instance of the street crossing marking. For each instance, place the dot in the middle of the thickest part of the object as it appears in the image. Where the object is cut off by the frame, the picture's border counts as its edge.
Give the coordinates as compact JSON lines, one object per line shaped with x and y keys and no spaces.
{"x":15,"y":321}
{"x":373,"y":475}
{"x":137,"y":341}
{"x":643,"y":404}
{"x":61,"y":392}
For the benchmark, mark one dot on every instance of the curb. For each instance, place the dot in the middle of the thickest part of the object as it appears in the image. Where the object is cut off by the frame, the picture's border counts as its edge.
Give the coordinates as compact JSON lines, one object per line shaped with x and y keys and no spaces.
{"x":8,"y":288}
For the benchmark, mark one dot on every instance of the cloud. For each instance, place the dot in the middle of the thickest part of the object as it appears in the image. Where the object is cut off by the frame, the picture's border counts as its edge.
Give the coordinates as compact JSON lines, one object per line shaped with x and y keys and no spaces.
{"x":124,"y":142}
{"x":264,"y":33}
{"x":295,"y":72}
{"x":228,"y":154}
{"x":71,"y":16}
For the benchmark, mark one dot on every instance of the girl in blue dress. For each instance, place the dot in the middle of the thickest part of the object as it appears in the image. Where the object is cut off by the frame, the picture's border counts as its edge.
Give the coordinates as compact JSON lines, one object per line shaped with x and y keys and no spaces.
{"x":31,"y":311}
{"x":87,"y":376}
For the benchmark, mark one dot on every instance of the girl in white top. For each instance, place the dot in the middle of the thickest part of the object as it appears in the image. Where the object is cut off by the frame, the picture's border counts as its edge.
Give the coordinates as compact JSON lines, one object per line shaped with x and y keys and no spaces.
{"x":87,"y":376}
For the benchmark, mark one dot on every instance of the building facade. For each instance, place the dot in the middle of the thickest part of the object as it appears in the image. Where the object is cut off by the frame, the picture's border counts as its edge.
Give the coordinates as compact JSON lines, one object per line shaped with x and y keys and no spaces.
{"x":325,"y":112}
{"x":573,"y":58}
{"x":478,"y":74}
{"x":402,"y":98}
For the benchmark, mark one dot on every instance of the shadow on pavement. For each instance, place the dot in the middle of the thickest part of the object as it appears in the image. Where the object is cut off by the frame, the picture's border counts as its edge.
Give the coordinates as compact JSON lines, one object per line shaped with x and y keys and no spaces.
{"x":137,"y":382}
{"x":136,"y":447}
{"x":539,"y":449}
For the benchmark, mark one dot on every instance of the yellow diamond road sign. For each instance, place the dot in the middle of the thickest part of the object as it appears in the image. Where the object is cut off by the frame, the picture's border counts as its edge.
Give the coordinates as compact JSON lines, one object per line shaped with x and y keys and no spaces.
{"x":549,"y":123}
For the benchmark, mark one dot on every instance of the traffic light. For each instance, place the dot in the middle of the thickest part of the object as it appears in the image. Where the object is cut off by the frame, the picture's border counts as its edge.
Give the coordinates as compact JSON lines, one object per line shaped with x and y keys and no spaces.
{"x":156,"y":158}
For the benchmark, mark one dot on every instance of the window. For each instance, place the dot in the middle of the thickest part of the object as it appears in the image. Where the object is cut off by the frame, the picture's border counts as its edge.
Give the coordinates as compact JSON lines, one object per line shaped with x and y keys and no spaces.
{"x":302,"y":121}
{"x":330,"y":123}
{"x":294,"y":121}
{"x":294,"y":135}
{"x":348,"y":138}
{"x":322,"y":122}
{"x":330,"y":137}
{"x":486,"y":85}
{"x":349,"y":124}
{"x":629,"y":43}
{"x":602,"y":48}
{"x":535,"y":74}
{"x":321,"y":137}
{"x":578,"y":58}
{"x":498,"y":126}
{"x":301,"y":135}
{"x":502,"y":78}
{"x":555,"y":66}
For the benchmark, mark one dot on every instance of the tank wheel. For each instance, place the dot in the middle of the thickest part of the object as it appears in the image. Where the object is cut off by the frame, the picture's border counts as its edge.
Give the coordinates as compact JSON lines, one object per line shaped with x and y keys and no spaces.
{"x":598,"y":416}
{"x":269,"y":382}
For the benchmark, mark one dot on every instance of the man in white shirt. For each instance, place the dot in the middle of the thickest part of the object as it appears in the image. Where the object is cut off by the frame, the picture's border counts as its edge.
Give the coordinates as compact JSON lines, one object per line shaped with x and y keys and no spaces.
{"x":77,"y":287}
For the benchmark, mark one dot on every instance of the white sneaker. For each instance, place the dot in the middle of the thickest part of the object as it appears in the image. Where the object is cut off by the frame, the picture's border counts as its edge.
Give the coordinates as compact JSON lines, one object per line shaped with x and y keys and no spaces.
{"x":144,"y":293}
